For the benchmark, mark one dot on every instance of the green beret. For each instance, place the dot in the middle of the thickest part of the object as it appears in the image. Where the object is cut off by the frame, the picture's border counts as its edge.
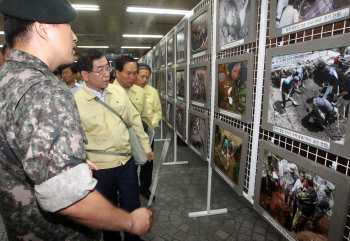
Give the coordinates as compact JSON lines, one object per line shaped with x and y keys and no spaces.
{"x":45,"y":11}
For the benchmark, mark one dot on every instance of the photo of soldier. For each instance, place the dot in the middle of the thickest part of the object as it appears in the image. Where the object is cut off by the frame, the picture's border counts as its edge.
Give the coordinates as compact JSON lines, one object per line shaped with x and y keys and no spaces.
{"x":232,"y":87}
{"x":162,"y":82}
{"x":170,"y":82}
{"x":170,"y":50}
{"x":180,"y":45}
{"x":296,"y":198}
{"x":157,"y":81}
{"x":197,"y":132}
{"x":234,"y":20}
{"x":179,"y":120}
{"x":227,"y":153}
{"x":180,"y":84}
{"x":293,"y":11}
{"x":301,"y":79}
{"x":162,"y":56}
{"x":169,"y":113}
{"x":198,"y":84}
{"x":199,"y":33}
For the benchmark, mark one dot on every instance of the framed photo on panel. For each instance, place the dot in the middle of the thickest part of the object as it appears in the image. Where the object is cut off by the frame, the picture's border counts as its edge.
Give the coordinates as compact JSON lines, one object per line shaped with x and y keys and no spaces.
{"x":302,"y":82}
{"x":170,"y":49}
{"x":162,"y":81}
{"x":163,"y":104}
{"x":156,"y":80}
{"x":302,"y":199}
{"x":286,"y":18}
{"x":170,"y":82}
{"x":198,"y":133}
{"x":163,"y":54}
{"x":170,"y":113}
{"x":200,"y":26}
{"x":200,"y":84}
{"x":234,"y":86}
{"x":157,"y":58}
{"x":236,"y":23}
{"x":180,"y":120}
{"x":229,"y":154}
{"x":181,"y":83}
{"x":181,"y":43}
{"x":149,"y":62}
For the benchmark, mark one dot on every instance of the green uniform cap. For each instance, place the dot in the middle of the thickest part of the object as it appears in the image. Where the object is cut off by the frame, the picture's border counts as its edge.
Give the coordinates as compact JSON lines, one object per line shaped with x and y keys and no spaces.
{"x":45,"y":11}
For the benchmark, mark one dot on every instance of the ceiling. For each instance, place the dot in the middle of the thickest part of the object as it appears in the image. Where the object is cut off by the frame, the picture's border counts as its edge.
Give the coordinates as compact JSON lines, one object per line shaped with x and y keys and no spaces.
{"x":105,"y":27}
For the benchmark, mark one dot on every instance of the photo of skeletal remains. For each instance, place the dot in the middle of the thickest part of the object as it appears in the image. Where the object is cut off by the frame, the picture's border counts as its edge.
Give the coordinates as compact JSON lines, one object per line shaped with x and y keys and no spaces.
{"x":180,"y":84}
{"x":170,"y":82}
{"x":179,"y":120}
{"x":197,"y":132}
{"x":199,"y":33}
{"x":170,"y":50}
{"x":180,"y":45}
{"x":198,"y":78}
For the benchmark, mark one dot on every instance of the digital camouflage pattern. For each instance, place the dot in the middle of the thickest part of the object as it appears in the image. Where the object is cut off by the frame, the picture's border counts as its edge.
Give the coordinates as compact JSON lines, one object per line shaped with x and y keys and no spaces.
{"x":269,"y":178}
{"x":41,"y":137}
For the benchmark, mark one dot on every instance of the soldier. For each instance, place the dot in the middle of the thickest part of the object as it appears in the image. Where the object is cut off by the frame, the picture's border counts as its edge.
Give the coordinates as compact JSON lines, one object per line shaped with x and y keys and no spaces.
{"x":306,"y":196}
{"x":325,"y":200}
{"x":238,"y":91}
{"x":291,"y":176}
{"x":286,"y":87}
{"x":298,"y":184}
{"x":47,"y":192}
{"x":269,"y":176}
{"x":322,"y":111}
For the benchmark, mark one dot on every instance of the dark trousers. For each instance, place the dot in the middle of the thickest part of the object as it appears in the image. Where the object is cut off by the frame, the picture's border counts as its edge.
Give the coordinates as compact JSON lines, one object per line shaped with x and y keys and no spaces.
{"x":146,"y":174}
{"x":122,"y":179}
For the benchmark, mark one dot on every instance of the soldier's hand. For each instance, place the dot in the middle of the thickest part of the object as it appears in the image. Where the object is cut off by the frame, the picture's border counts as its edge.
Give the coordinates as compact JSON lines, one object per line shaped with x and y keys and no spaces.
{"x":141,"y":221}
{"x":150,"y":156}
{"x":91,"y":166}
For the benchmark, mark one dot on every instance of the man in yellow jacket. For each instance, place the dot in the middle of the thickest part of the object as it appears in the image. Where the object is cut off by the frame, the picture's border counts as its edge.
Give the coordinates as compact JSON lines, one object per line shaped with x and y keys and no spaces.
{"x":155,"y":112}
{"x":108,"y":138}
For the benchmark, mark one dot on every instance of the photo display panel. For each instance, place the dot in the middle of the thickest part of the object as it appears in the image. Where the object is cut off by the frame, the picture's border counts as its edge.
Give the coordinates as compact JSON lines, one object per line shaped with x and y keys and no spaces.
{"x":157,"y":80}
{"x":289,"y":17}
{"x":229,"y":154}
{"x":236,"y":23}
{"x":234,"y":87}
{"x":170,"y":82}
{"x":157,"y":58}
{"x":181,"y":43}
{"x":200,"y":84}
{"x":181,"y":83}
{"x":303,"y":84}
{"x":170,"y":114}
{"x":180,"y":120}
{"x":198,"y":133}
{"x":163,"y":54}
{"x":162,"y":81}
{"x":300,"y":198}
{"x":200,"y":26}
{"x":170,"y":49}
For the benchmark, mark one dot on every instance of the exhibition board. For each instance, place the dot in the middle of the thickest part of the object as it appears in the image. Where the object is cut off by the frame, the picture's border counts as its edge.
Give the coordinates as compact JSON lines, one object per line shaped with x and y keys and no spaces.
{"x":180,"y":120}
{"x":162,"y":53}
{"x":181,"y":42}
{"x":163,"y":104}
{"x":299,"y":119}
{"x":199,"y":77}
{"x":156,"y":80}
{"x":170,"y":48}
{"x":162,"y":77}
{"x":170,"y":113}
{"x":329,"y":190}
{"x":170,"y":81}
{"x":181,"y":83}
{"x":156,"y":57}
{"x":198,"y":132}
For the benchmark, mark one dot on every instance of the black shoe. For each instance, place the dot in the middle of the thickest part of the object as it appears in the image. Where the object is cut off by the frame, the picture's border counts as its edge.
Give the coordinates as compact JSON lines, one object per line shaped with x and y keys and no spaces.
{"x":147,"y":194}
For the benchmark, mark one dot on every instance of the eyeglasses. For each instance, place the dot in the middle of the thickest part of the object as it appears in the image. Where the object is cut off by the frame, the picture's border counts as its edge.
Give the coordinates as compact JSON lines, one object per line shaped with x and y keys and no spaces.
{"x":101,"y":72}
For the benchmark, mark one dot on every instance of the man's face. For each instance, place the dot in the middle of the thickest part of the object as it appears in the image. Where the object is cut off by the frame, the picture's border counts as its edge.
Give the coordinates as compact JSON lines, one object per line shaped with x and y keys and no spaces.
{"x":127,"y":77}
{"x":302,"y":177}
{"x":142,"y":77}
{"x":97,"y":81}
{"x":68,"y":76}
{"x":235,"y":72}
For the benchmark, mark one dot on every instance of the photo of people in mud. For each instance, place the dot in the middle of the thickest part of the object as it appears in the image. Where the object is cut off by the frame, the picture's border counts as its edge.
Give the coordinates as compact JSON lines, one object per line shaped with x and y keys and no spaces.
{"x":199,"y":33}
{"x":170,"y":50}
{"x":179,"y":120}
{"x":234,"y":20}
{"x":170,"y":82}
{"x":293,"y":11}
{"x":157,"y":59}
{"x":169,"y":114}
{"x":180,"y":84}
{"x":162,"y":103}
{"x":227,"y":153}
{"x":309,"y":93}
{"x":157,"y":81}
{"x":162,"y":82}
{"x":198,"y":84}
{"x":197,"y":132}
{"x":162,"y":55}
{"x":298,"y":199}
{"x":180,"y":45}
{"x":232,"y":87}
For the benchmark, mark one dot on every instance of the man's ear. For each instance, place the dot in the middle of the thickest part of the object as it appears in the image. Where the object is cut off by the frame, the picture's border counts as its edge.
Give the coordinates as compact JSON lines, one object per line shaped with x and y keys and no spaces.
{"x":42,"y":30}
{"x":85,"y":75}
{"x":117,"y":73}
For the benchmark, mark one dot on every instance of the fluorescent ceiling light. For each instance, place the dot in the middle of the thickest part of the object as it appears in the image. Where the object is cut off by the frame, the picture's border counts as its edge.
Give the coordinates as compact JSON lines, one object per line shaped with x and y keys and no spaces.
{"x":142,"y":36}
{"x":86,"y":7}
{"x":156,"y":10}
{"x":136,"y":58}
{"x":2,"y":32}
{"x":135,"y":47}
{"x":0,"y":46}
{"x":93,"y":47}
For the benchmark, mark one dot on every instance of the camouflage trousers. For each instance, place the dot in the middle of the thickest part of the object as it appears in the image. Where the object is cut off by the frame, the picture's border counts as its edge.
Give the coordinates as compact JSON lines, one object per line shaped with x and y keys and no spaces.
{"x":299,"y":221}
{"x":319,"y":116}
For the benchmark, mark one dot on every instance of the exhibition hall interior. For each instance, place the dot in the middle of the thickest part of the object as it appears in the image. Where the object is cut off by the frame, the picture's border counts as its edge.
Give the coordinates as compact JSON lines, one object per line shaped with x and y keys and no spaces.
{"x":253,"y":139}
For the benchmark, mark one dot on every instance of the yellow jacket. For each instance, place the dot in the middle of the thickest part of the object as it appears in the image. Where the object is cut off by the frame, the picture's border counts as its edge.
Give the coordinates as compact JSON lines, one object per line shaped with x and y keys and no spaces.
{"x":154,"y":106}
{"x":104,"y":130}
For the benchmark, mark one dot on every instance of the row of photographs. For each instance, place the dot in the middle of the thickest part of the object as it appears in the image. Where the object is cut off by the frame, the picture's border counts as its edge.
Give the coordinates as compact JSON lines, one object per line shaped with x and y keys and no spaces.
{"x":299,"y":93}
{"x":298,"y":197}
{"x":237,"y":25}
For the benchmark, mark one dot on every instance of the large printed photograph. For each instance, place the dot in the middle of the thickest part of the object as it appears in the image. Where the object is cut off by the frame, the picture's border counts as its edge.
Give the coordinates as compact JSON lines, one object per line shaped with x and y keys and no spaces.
{"x":198,"y":84}
{"x":157,"y":81}
{"x":180,"y":45}
{"x":309,"y":93}
{"x":180,"y":84}
{"x":234,"y":20}
{"x":199,"y":33}
{"x":157,"y":58}
{"x":197,"y":133}
{"x":170,"y":51}
{"x":162,"y":55}
{"x":170,"y":114}
{"x":162,"y":82}
{"x":180,"y":120}
{"x":170,"y":82}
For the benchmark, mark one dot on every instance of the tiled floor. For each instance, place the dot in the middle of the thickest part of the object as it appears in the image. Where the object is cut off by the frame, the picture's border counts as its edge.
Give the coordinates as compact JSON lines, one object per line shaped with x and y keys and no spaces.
{"x":182,"y":189}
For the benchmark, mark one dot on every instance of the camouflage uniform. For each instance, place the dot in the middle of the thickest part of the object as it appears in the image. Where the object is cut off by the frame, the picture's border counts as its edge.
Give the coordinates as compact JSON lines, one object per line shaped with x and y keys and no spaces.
{"x":239,"y":89}
{"x":325,"y":200}
{"x":305,"y":209}
{"x":41,"y":153}
{"x":269,"y":178}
